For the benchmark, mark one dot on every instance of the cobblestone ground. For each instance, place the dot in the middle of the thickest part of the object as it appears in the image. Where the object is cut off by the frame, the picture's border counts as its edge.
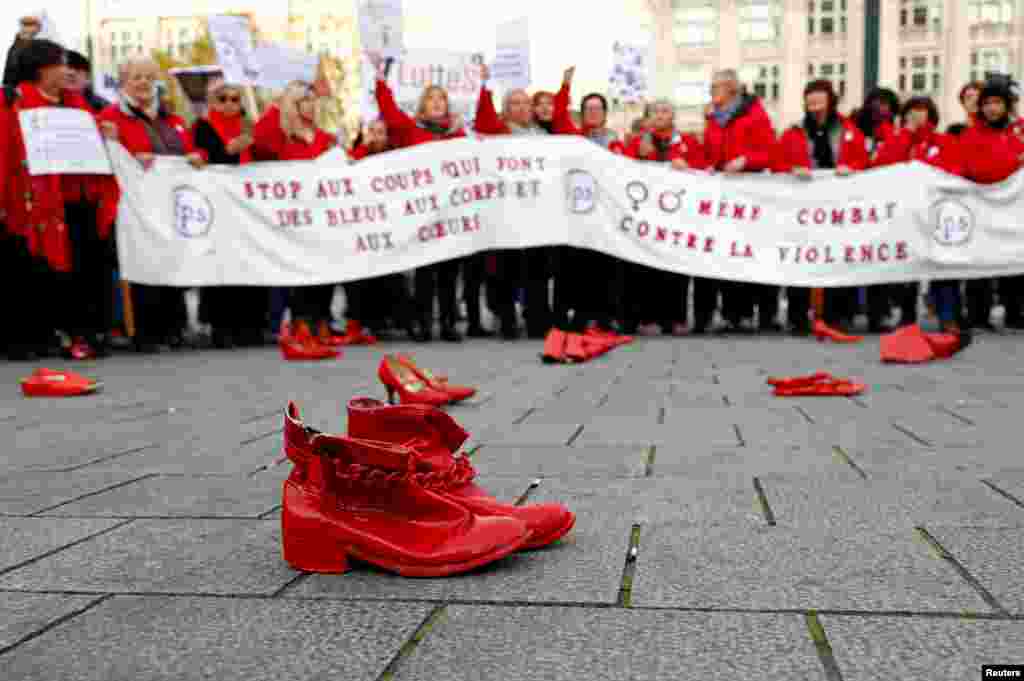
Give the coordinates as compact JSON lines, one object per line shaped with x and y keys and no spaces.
{"x":879,"y":537}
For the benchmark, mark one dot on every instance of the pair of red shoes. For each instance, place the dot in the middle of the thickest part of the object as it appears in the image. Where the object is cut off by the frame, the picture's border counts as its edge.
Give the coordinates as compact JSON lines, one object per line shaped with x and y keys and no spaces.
{"x":823,"y":331}
{"x":50,"y":383}
{"x":300,"y":344}
{"x":911,"y":345}
{"x":821,"y":384}
{"x":354,"y":335}
{"x":412,"y":384}
{"x":562,"y":347}
{"x":394,"y":494}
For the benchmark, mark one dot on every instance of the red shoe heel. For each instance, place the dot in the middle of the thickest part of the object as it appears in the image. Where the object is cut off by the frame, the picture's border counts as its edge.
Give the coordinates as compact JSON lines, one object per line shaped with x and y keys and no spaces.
{"x":391,"y":394}
{"x":308,"y":552}
{"x":411,"y":389}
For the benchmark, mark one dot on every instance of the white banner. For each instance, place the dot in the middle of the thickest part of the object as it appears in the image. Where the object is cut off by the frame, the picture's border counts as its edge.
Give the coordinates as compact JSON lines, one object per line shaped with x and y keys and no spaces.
{"x":458,"y":72}
{"x":60,"y":140}
{"x":282,"y":224}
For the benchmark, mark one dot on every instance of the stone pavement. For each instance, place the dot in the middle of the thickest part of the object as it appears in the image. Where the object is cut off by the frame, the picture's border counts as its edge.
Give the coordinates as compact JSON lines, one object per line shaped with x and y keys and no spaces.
{"x":880,"y":537}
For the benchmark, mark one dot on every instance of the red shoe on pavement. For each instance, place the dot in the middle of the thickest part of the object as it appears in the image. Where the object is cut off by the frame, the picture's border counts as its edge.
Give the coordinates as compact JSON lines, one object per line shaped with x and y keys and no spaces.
{"x":50,"y":383}
{"x":350,"y":498}
{"x":823,"y":331}
{"x":354,"y":334}
{"x":80,"y":350}
{"x":302,"y":345}
{"x":410,"y":388}
{"x":456,"y":393}
{"x":436,"y":436}
{"x":554,"y":347}
{"x":828,"y":388}
{"x":327,"y":337}
{"x":907,"y":345}
{"x":797,"y":381}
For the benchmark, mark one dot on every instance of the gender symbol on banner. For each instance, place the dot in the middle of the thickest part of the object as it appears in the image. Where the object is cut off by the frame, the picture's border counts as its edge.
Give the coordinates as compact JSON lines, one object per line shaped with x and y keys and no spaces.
{"x":581,"y":191}
{"x":671,"y":202}
{"x":954,"y":223}
{"x":192,"y":211}
{"x":638,"y":193}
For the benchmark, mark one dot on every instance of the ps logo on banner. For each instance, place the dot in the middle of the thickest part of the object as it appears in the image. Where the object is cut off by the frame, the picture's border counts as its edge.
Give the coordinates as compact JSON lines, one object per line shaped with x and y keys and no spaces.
{"x":581,"y":191}
{"x":954,"y":223}
{"x":193,"y":212}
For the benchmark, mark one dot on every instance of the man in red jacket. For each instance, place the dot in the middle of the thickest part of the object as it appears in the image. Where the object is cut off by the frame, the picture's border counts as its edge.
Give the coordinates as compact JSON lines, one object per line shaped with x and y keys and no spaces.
{"x":994,"y":150}
{"x":739,"y":138}
{"x":824,"y":140}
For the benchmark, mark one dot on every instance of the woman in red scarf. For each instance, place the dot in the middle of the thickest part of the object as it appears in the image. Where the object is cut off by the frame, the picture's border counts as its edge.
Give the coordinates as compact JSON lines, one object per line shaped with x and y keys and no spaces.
{"x":44,"y":214}
{"x":236,"y":313}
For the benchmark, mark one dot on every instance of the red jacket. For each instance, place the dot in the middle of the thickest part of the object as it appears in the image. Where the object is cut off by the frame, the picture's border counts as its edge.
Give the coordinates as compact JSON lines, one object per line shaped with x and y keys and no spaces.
{"x":992,"y":155}
{"x":33,"y":205}
{"x":749,"y":133}
{"x":404,"y":130}
{"x":131,"y":132}
{"x":268,"y":138}
{"x":295,"y":149}
{"x":925,"y":145}
{"x":489,"y":122}
{"x":794,"y":149}
{"x":686,"y":147}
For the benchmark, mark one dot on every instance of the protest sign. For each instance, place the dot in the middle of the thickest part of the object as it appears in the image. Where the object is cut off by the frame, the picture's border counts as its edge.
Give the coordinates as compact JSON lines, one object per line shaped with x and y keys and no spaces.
{"x":60,"y":140}
{"x":511,"y":65}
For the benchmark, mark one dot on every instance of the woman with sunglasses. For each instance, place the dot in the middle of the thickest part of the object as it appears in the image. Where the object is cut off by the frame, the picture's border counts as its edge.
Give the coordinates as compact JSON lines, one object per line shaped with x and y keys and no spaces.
{"x":223,"y":137}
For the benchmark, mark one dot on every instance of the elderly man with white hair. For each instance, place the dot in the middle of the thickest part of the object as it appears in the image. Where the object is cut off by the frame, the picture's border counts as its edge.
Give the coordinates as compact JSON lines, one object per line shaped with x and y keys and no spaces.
{"x":739,"y":138}
{"x":146,"y":129}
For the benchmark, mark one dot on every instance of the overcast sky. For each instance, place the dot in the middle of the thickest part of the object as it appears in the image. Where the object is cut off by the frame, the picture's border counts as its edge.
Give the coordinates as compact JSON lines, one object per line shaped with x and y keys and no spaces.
{"x":562,"y":32}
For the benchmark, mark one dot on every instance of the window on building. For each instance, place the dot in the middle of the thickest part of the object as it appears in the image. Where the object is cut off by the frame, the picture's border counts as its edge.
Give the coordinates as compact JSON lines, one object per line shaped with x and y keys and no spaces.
{"x":693,"y":86}
{"x":991,"y":60}
{"x":763,"y":80}
{"x":760,"y":20}
{"x":695,"y":22}
{"x":126,"y":50}
{"x":126,"y":37}
{"x":113,"y":38}
{"x":990,"y":11}
{"x":826,"y":18}
{"x":831,"y":71}
{"x":921,"y":15}
{"x":921,"y":74}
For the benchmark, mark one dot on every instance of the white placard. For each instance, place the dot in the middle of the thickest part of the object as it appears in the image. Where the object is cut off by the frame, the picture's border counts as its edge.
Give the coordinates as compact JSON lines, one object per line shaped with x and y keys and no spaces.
{"x":630,"y":76}
{"x":512,"y":55}
{"x":232,"y":38}
{"x":457,"y":72}
{"x":276,"y":66}
{"x":380,"y":27}
{"x":63,"y":141}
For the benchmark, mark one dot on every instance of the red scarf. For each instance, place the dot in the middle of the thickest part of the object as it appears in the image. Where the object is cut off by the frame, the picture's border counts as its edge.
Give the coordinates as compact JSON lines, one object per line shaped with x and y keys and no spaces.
{"x":228,"y":129}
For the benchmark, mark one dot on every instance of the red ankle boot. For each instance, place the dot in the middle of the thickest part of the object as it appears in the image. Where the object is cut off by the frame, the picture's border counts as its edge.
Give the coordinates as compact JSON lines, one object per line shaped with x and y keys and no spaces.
{"x":410,"y":388}
{"x":436,"y":437}
{"x":349,"y":498}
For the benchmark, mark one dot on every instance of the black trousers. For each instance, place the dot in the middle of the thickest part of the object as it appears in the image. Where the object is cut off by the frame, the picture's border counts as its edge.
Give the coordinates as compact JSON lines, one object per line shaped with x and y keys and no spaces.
{"x":160,"y":312}
{"x":1011,"y":295}
{"x":537,"y":271}
{"x":437,"y":281}
{"x":238,"y":311}
{"x":597,"y":283}
{"x":705,"y":301}
{"x":840,"y":305}
{"x":311,"y":304}
{"x":979,"y":301}
{"x":799,"y":305}
{"x":655,"y":296}
{"x":881,"y":298}
{"x":90,"y":285}
{"x":33,"y":296}
{"x":497,"y":274}
{"x":739,"y":299}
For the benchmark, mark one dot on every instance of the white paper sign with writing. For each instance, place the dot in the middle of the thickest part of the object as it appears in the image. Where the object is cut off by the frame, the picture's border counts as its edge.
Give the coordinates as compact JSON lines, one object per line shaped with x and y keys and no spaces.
{"x":380,"y":27}
{"x":457,"y":72}
{"x":512,"y":55}
{"x":63,"y":141}
{"x":277,"y":66}
{"x":630,"y":76}
{"x":232,"y":39}
{"x":323,"y":221}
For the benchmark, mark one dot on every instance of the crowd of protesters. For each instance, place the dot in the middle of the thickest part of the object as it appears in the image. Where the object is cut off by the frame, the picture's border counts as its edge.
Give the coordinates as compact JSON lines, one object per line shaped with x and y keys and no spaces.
{"x":58,"y":234}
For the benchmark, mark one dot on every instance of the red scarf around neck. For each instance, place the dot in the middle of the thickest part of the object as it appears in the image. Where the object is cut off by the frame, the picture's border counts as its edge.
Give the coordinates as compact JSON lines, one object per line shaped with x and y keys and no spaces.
{"x":228,"y":129}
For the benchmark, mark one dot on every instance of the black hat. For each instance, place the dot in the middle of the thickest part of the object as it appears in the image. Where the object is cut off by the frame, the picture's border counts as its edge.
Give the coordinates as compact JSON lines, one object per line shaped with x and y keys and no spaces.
{"x":998,"y":85}
{"x":78,"y":61}
{"x":36,"y":56}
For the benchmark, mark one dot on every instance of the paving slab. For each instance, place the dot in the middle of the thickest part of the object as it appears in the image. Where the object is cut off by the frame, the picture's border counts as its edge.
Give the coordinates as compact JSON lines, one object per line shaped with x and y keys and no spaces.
{"x":574,"y":643}
{"x":886,"y":648}
{"x":179,"y":639}
{"x":23,"y":539}
{"x":531,"y":435}
{"x":23,"y":614}
{"x":165,"y":556}
{"x":625,"y":431}
{"x":575,"y":462}
{"x":34,"y":491}
{"x":778,"y":568}
{"x":237,"y":497}
{"x":995,"y":557}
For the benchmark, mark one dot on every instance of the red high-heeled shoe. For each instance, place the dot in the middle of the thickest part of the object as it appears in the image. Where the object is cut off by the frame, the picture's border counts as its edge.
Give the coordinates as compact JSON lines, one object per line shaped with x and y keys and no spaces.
{"x":436,"y":437}
{"x":456,"y":393}
{"x":410,"y":388}
{"x":554,"y":347}
{"x":823,"y":331}
{"x":828,"y":388}
{"x":354,"y":334}
{"x":50,"y":383}
{"x":796,"y":381}
{"x":907,"y":345}
{"x":365,"y":500}
{"x":302,"y":345}
{"x":327,"y":337}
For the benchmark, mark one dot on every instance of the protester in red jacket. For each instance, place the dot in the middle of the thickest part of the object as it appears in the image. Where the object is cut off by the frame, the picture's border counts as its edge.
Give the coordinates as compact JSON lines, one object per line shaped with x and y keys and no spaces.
{"x":823,"y":141}
{"x":147,"y":130}
{"x":657,"y":297}
{"x":519,"y":113}
{"x":970,"y":95}
{"x":47,"y":217}
{"x":433,"y":122}
{"x":918,"y":140}
{"x":738,"y":138}
{"x":993,"y":151}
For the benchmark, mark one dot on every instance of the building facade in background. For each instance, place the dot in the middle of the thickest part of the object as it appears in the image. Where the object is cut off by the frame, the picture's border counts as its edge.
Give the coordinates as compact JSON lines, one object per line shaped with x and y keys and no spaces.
{"x":928,"y":47}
